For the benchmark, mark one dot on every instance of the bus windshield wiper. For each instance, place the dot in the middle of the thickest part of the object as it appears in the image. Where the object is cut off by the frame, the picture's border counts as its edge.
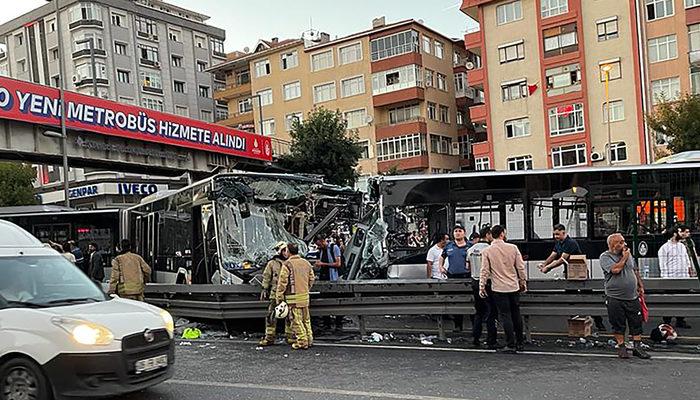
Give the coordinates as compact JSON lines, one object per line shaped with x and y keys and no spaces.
{"x":73,"y":301}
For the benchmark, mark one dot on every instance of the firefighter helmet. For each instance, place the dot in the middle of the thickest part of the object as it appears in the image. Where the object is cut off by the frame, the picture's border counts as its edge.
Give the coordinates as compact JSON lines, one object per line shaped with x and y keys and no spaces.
{"x":282,"y":310}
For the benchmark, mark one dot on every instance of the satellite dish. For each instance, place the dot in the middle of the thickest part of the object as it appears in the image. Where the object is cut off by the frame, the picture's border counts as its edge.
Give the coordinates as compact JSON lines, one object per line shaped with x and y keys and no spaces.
{"x":470,"y":65}
{"x":246,"y":49}
{"x":369,"y":119}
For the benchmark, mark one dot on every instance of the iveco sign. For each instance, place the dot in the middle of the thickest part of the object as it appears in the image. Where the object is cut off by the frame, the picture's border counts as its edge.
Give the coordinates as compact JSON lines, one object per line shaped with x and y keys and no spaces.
{"x":137,"y":188}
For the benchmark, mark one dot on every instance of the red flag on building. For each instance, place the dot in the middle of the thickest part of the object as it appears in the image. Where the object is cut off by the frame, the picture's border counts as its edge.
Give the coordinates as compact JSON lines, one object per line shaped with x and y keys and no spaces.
{"x":531,"y":89}
{"x":565,"y":110}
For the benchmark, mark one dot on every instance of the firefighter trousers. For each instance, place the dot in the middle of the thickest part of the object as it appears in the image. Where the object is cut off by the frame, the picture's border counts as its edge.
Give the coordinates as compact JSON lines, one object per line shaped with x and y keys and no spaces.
{"x":271,"y":324}
{"x":301,"y":326}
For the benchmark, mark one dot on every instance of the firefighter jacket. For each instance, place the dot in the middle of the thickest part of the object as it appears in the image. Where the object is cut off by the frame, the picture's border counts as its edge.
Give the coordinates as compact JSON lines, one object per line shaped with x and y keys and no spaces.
{"x":271,"y":274}
{"x":296,"y":278}
{"x":130,"y":273}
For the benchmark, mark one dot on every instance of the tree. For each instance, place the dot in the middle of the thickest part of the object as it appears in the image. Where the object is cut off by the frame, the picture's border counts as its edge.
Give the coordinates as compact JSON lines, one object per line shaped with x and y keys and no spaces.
{"x":16,"y":182}
{"x":680,"y":121}
{"x":322,"y":145}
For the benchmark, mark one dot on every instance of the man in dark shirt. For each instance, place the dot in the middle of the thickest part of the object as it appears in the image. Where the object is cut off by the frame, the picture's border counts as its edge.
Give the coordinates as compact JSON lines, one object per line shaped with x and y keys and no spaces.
{"x":456,"y":252}
{"x":564,"y":247}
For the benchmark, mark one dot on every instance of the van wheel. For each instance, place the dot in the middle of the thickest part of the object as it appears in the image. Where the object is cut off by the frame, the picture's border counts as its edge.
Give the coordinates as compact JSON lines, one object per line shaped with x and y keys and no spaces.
{"x":22,"y":379}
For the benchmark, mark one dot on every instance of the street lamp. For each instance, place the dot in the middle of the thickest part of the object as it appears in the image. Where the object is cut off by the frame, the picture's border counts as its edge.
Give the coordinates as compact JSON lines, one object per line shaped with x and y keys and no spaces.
{"x":61,"y":91}
{"x":91,"y":45}
{"x":606,"y":69}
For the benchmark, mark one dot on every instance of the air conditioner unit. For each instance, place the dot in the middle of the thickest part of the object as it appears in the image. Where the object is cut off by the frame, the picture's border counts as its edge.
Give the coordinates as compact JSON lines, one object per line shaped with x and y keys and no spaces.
{"x":597,"y":156}
{"x":77,"y":78}
{"x":455,"y":149}
{"x":470,"y":65}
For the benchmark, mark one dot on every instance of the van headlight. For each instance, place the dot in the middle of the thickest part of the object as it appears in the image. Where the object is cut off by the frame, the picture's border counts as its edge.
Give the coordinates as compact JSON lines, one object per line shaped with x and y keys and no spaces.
{"x":85,"y":332}
{"x":168,"y":321}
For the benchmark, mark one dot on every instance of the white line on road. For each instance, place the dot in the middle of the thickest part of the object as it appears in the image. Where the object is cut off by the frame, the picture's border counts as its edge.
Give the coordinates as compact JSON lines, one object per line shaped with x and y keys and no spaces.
{"x":325,"y":391}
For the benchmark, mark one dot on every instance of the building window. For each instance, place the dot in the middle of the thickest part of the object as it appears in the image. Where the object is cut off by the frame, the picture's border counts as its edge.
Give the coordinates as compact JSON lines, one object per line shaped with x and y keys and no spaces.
{"x":482,"y":164}
{"x":54,"y":54}
{"x":694,"y":37}
{"x":514,"y":90}
{"x":217,"y":46}
{"x":668,"y":89}
{"x":517,"y":128}
{"x":663,"y":48}
{"x":352,"y":86}
{"x":460,"y":118}
{"x":174,"y":35}
{"x":560,"y":40}
{"x":182,"y":111}
{"x":439,"y":50}
{"x":399,"y":147}
{"x":322,"y":61}
{"x":429,"y":74}
{"x":350,"y":54}
{"x":268,"y":127}
{"x":151,"y":80}
{"x":509,"y":12}
{"x":243,"y":77}
{"x":615,"y":69}
{"x":444,"y":114}
{"x":607,"y":29}
{"x":290,"y":60}
{"x":51,"y":25}
{"x":618,"y":152}
{"x":176,"y":61}
{"x":563,"y":80}
{"x":440,"y":144}
{"x":200,"y":41}
{"x":405,"y":113}
{"x":695,"y":80}
{"x":123,"y":76}
{"x":221,"y":113}
{"x":290,"y":118}
{"x":19,"y":39}
{"x":432,"y":111}
{"x":146,"y":27}
{"x":551,"y":8}
{"x":366,"y":149}
{"x":204,"y":91}
{"x":265,"y":97}
{"x":511,"y":52}
{"x":657,"y":9}
{"x":396,"y":79}
{"x":202,"y":66}
{"x":325,"y":92}
{"x":292,"y":90}
{"x":566,"y":119}
{"x":427,"y":45}
{"x":460,"y":84}
{"x":356,"y":118}
{"x":22,"y":65}
{"x":569,"y":156}
{"x":519,"y":163}
{"x":206,"y":115}
{"x":84,"y":70}
{"x":262,"y":68}
{"x":394,"y":45}
{"x":245,"y":106}
{"x":152,"y":104}
{"x":120,"y":48}
{"x":441,"y":82}
{"x":179,"y":87}
{"x":149,"y":53}
{"x":86,"y":12}
{"x":96,"y":40}
{"x":55,"y":80}
{"x":692,"y":3}
{"x":617,"y":111}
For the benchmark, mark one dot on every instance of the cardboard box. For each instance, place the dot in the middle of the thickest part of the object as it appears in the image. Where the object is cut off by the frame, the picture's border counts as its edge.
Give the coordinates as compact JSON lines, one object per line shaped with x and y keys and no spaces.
{"x":577,"y":268}
{"x":580,"y":326}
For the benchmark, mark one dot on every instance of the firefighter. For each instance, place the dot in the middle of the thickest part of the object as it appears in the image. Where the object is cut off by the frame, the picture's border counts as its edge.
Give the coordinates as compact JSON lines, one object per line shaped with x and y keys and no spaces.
{"x":295,"y":280}
{"x":269,"y":283}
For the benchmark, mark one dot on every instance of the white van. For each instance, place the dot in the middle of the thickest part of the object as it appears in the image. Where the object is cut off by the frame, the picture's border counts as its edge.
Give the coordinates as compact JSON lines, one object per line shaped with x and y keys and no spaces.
{"x":61,"y":336}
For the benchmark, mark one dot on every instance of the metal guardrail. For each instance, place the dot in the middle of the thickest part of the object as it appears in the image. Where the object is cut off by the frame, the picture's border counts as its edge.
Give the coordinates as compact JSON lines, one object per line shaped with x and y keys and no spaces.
{"x":419,"y":297}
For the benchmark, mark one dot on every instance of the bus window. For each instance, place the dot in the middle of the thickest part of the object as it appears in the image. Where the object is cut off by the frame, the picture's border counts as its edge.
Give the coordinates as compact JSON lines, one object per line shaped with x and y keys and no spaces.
{"x":515,"y":221}
{"x":573,"y":215}
{"x":474,"y":216}
{"x":542,"y":221}
{"x":652,"y":216}
{"x":608,"y":219}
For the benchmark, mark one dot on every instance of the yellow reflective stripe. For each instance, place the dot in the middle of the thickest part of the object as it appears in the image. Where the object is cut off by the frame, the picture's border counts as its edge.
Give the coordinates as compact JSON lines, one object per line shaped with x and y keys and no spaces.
{"x":296,"y":298}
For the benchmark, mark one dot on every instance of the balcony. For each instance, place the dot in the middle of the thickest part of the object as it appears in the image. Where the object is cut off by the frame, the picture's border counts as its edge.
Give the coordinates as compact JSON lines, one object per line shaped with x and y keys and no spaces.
{"x":86,"y":53}
{"x":478,"y":112}
{"x":237,"y":120}
{"x":94,"y":23}
{"x":280,"y":147}
{"x":397,"y":61}
{"x":382,"y":99}
{"x":152,"y":89}
{"x":232,"y":91}
{"x":694,"y":57}
{"x":385,"y":130}
{"x":79,"y":81}
{"x":475,"y":77}
{"x":420,"y":162}
{"x":474,"y":38}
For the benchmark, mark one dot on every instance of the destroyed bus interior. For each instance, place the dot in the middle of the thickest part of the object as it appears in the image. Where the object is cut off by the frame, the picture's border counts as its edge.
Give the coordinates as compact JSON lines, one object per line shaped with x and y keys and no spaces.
{"x":643,"y":203}
{"x":222,"y":230}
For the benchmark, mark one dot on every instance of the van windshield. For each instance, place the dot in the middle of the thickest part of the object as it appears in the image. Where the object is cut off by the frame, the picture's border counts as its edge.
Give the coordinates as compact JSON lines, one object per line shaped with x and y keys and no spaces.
{"x":44,"y":281}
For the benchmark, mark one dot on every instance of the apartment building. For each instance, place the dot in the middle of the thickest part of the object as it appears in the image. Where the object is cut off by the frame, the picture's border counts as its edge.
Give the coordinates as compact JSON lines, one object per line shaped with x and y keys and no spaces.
{"x":148,"y":52}
{"x":401,"y":87}
{"x":542,"y":67}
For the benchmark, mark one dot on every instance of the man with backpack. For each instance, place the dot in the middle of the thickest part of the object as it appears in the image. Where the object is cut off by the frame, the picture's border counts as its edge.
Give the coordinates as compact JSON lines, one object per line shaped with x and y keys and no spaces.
{"x":330,"y":265}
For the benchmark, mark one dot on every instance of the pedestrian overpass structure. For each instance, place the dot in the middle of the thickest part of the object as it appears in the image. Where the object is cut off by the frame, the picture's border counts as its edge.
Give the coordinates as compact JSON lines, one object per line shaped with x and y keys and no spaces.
{"x":115,"y":136}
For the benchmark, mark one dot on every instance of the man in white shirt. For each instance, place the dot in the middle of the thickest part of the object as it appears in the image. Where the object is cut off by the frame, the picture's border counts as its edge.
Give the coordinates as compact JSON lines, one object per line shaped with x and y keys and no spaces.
{"x":433,"y":257}
{"x":675,"y":262}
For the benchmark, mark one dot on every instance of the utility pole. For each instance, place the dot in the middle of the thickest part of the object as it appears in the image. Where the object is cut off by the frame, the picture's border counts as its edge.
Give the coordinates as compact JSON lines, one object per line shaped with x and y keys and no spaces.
{"x":62,"y":95}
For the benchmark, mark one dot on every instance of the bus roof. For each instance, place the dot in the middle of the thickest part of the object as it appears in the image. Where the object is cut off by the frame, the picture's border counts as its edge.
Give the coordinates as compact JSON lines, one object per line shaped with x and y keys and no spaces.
{"x":483,"y":174}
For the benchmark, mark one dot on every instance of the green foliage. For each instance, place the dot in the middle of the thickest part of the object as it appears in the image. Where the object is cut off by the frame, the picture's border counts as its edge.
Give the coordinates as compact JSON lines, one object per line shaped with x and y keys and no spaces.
{"x":16,"y":182}
{"x":680,"y":121}
{"x":322,"y":145}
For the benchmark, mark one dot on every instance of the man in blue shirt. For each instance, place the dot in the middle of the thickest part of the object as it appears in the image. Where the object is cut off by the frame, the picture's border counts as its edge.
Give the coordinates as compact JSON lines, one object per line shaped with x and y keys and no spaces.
{"x":329,"y":262}
{"x":456,"y":252}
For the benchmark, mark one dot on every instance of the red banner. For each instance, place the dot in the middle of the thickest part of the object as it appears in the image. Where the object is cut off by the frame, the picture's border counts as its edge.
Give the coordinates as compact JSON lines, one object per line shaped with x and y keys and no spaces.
{"x":29,"y":102}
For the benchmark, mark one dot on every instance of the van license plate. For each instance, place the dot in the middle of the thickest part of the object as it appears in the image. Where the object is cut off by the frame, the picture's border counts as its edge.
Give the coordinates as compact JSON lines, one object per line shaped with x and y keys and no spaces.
{"x":151,"y":364}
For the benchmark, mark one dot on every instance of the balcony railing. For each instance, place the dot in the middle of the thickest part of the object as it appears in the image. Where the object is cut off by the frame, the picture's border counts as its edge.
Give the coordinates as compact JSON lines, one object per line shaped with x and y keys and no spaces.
{"x":280,"y":147}
{"x":397,"y":86}
{"x":406,"y":121}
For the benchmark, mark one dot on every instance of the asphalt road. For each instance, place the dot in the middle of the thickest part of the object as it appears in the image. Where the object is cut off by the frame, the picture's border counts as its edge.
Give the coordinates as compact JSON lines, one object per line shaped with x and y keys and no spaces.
{"x":229,"y":370}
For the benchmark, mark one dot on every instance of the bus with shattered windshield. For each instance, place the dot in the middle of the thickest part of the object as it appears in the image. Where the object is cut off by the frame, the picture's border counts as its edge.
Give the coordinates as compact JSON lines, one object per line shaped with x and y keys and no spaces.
{"x":223,"y":229}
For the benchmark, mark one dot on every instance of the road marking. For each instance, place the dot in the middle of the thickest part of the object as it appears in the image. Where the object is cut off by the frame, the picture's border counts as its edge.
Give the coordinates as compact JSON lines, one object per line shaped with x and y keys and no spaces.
{"x":312,"y":390}
{"x":461,"y":350}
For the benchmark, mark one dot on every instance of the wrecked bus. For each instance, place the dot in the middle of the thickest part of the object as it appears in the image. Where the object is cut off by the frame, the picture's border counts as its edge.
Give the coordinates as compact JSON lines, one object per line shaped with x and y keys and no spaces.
{"x":222,"y":229}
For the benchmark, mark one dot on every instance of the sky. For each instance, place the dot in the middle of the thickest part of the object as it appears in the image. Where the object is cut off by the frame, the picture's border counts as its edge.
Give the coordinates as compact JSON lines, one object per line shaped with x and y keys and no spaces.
{"x":247,"y":21}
